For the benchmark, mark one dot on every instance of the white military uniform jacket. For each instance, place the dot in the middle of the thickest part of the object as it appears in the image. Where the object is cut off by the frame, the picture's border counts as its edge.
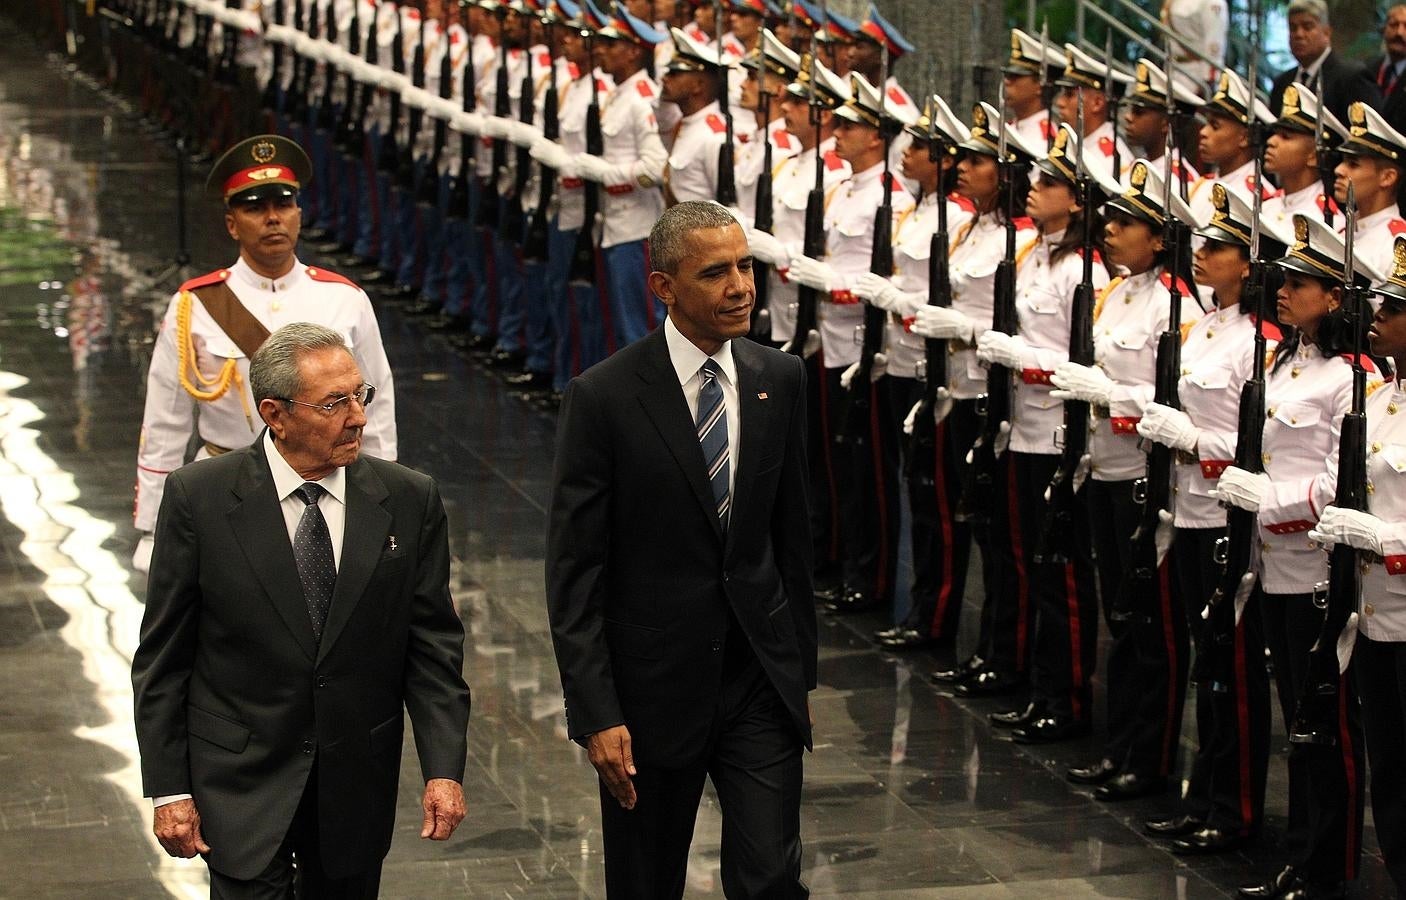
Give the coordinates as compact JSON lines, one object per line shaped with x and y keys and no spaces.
{"x":1044,"y":305}
{"x":1240,"y":182}
{"x":751,"y":158}
{"x":1034,"y":128}
{"x":849,"y":243}
{"x":631,"y":199}
{"x":1102,"y":138}
{"x":572,"y":107}
{"x":305,"y":294}
{"x":1280,"y":209}
{"x":692,"y":170}
{"x":1375,"y":236}
{"x":1382,"y":616}
{"x":912,"y":255}
{"x":790,"y":191}
{"x":1217,"y":358}
{"x":977,"y":249}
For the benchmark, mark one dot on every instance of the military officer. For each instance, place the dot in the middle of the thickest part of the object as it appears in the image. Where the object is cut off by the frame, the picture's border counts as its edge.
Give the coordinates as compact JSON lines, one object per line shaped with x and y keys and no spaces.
{"x":769,"y":70}
{"x":1374,"y":160}
{"x":215,"y":322}
{"x":1027,"y":102}
{"x":1145,"y":122}
{"x":1290,"y":156}
{"x":1226,"y":147}
{"x":693,"y":82}
{"x":1085,"y":75}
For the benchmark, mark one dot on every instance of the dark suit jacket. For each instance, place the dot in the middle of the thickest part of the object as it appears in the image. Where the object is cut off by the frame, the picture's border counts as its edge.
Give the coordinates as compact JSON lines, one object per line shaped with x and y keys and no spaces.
{"x":1394,"y":104}
{"x":235,"y":698}
{"x":1344,"y":83}
{"x":641,"y":577}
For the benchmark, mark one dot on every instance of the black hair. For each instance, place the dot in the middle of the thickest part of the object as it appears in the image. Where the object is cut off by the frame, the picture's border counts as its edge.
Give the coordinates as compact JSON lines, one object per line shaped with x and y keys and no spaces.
{"x":1338,"y":332}
{"x":1073,"y":240}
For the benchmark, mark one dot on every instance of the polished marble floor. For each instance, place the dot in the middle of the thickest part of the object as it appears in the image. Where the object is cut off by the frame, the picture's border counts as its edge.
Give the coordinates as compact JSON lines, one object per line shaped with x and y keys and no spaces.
{"x":908,"y":795}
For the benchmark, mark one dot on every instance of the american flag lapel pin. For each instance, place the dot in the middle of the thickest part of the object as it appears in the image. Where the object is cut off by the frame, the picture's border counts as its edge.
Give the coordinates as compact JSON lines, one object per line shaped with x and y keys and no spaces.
{"x":390,"y":543}
{"x":761,"y":395}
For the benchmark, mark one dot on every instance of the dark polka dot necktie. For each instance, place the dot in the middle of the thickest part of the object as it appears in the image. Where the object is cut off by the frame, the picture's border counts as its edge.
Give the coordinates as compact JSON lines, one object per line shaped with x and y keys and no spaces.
{"x":312,"y":551}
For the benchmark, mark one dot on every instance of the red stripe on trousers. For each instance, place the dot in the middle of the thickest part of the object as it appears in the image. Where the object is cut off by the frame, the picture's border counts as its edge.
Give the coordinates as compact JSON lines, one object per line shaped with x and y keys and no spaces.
{"x":1076,"y":641}
{"x":881,"y":583}
{"x":944,"y":522}
{"x":1022,"y":590}
{"x":1350,"y":771}
{"x":1173,"y":724}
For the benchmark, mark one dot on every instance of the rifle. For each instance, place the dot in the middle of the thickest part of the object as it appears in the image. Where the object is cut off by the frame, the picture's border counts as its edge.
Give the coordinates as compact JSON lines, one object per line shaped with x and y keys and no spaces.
{"x":861,"y":387}
{"x":1055,"y":543}
{"x":428,"y":192}
{"x":326,"y":118}
{"x":303,"y":71}
{"x":1044,"y":88}
{"x":357,"y":144}
{"x":813,"y":239}
{"x":512,"y":225}
{"x":1316,"y":721}
{"x":351,"y":90}
{"x":1214,"y":664}
{"x":459,"y":190}
{"x":726,"y":192}
{"x":583,"y":255}
{"x":270,"y":97}
{"x":1110,"y":97}
{"x":1322,"y":153}
{"x":979,"y":482}
{"x":488,"y":203}
{"x":922,"y":462}
{"x":534,"y":245}
{"x":405,"y":171}
{"x":762,"y":219}
{"x":388,"y":159}
{"x":1154,"y":489}
{"x":224,"y":72}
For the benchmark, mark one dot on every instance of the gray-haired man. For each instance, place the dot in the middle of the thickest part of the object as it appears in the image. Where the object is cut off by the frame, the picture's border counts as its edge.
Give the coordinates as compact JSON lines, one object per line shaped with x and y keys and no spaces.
{"x":1336,"y":81}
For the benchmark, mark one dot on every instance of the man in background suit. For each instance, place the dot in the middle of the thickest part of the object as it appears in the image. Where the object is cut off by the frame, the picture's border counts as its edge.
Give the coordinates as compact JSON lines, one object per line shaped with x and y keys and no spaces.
{"x":1389,"y":69}
{"x":678,"y":576}
{"x":1337,"y":82}
{"x":298,"y":605}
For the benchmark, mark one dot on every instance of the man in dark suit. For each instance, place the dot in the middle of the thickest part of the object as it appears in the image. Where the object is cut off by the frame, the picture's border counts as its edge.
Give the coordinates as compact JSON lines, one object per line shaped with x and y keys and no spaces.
{"x":1388,"y":71}
{"x":298,"y":605}
{"x":1337,"y":82}
{"x":678,"y":576}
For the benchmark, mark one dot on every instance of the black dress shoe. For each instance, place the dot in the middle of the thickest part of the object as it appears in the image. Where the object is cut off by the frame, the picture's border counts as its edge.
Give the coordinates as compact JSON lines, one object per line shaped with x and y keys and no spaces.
{"x":530,"y":381}
{"x":1285,"y":880}
{"x":853,"y":601}
{"x":1130,"y":786}
{"x":1206,"y":841}
{"x":422,"y":306}
{"x":903,"y":638}
{"x":829,"y":594}
{"x":315,"y":234}
{"x":1094,"y":773}
{"x":989,"y":683}
{"x":1015,"y":718}
{"x":1050,"y":729}
{"x":329,"y":247}
{"x":959,"y":673}
{"x":470,"y":342}
{"x":355,"y":261}
{"x":1312,"y":891}
{"x":1173,"y":826}
{"x":375,"y":277}
{"x":506,"y":359}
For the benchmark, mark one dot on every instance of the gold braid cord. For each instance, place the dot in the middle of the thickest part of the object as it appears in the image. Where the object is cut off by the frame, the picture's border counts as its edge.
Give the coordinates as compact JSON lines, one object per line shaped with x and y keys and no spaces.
{"x":214,"y":388}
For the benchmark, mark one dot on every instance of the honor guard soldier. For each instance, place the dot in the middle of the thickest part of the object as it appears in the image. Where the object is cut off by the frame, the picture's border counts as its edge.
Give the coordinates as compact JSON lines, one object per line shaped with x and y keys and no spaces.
{"x":745,"y":21}
{"x":629,"y":173}
{"x":874,"y":38}
{"x":1145,"y":122}
{"x":1025,"y":94}
{"x":1223,"y":806}
{"x":1380,"y":532}
{"x":1374,"y":160}
{"x":782,"y":65}
{"x":693,"y":82}
{"x":1085,"y":75}
{"x":840,"y":35}
{"x":216,"y":322}
{"x":807,"y":22}
{"x":867,"y":494}
{"x":1225,"y":145}
{"x":1291,"y":157}
{"x":1145,"y":677}
{"x":939,"y":542}
{"x":978,"y":249}
{"x":1308,"y":391}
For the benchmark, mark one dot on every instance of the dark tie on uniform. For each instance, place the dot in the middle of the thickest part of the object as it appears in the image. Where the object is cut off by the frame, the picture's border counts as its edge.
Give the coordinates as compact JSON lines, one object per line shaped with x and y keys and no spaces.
{"x":312,"y":551}
{"x":712,"y":434}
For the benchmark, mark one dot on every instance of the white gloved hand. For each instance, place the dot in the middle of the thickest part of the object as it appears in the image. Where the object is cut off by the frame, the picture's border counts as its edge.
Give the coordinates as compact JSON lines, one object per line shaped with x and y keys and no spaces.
{"x":876,"y":289}
{"x":1241,"y":489}
{"x":812,"y":344}
{"x":1349,"y":526}
{"x":470,"y":123}
{"x":767,"y":248}
{"x":496,"y":127}
{"x":1168,"y":427}
{"x":1075,"y":382}
{"x":942,"y":405}
{"x":141,"y":557}
{"x":1003,"y":438}
{"x":1165,"y":532}
{"x":876,"y":371}
{"x":594,"y":168}
{"x":523,"y":134}
{"x":1002,"y":349}
{"x":1082,"y":470}
{"x":554,"y":156}
{"x":1346,"y":641}
{"x":812,"y":273}
{"x":944,"y":323}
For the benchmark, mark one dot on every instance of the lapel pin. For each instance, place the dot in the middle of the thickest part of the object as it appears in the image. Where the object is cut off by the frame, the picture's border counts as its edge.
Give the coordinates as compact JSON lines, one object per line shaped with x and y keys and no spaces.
{"x":761,"y":395}
{"x":391,"y":543}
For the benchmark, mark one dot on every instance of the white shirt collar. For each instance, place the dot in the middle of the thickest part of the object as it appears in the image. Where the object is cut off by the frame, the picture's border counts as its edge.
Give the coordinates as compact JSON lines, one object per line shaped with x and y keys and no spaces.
{"x":242,"y":271}
{"x":688,"y":359}
{"x":286,"y":480}
{"x":1312,"y":68}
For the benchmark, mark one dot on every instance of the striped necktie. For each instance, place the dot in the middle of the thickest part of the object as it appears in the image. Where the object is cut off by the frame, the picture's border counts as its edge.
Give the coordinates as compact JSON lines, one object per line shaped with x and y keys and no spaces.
{"x":712,"y":434}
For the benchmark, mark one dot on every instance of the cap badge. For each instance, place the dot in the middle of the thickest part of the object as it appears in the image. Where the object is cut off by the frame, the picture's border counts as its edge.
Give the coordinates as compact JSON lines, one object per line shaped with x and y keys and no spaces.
{"x":1399,"y":261}
{"x":1138,"y":177}
{"x":263,"y":151}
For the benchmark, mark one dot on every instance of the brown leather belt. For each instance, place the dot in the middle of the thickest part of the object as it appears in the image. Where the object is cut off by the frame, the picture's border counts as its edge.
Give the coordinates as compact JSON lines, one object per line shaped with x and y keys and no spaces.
{"x":215,"y":449}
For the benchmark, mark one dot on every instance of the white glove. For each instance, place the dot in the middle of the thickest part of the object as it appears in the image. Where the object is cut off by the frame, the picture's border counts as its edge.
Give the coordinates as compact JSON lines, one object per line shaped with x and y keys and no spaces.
{"x":767,"y":248}
{"x":1241,"y":489}
{"x":944,"y":323}
{"x":1168,"y":427}
{"x":523,"y":134}
{"x":1075,"y":382}
{"x":812,"y":273}
{"x":1002,"y":349}
{"x":1346,"y":640}
{"x":1166,"y":530}
{"x":940,"y":408}
{"x":594,"y":168}
{"x":1003,"y":438}
{"x":1348,"y":526}
{"x":812,"y":344}
{"x":470,"y":123}
{"x":876,"y":289}
{"x":554,"y":156}
{"x":876,"y":371}
{"x":141,"y":557}
{"x":496,"y":127}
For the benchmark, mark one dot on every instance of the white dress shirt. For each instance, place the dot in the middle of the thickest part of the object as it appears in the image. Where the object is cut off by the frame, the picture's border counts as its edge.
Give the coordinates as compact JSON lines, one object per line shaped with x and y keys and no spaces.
{"x":688,"y":362}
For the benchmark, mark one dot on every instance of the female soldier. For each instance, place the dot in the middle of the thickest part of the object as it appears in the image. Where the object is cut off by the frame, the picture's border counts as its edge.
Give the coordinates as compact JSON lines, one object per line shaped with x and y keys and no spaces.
{"x":1222,"y":806}
{"x":1379,"y":660}
{"x":1308,"y":391}
{"x":978,"y":248}
{"x":1065,"y":640}
{"x":1144,"y":699}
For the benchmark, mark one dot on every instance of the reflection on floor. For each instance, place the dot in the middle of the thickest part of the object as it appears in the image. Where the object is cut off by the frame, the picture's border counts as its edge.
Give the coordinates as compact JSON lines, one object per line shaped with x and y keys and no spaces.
{"x":909,"y":794}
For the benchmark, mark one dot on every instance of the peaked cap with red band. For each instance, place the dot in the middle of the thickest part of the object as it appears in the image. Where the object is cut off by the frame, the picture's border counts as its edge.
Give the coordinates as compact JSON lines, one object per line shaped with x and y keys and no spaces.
{"x":263,"y":167}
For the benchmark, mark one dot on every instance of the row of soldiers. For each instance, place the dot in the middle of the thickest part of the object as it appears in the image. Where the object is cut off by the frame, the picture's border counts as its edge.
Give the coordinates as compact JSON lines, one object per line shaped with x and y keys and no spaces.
{"x":1038,"y":334}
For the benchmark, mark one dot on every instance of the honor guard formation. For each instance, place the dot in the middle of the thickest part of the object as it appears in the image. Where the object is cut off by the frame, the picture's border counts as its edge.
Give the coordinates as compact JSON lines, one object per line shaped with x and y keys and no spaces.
{"x":1122,"y":339}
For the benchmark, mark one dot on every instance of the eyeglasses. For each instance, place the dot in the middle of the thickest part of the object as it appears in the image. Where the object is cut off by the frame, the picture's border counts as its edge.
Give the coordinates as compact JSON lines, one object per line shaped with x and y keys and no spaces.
{"x":362,"y":395}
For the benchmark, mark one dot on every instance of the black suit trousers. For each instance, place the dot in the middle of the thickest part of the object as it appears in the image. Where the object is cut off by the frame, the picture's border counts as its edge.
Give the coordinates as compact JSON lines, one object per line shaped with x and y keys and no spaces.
{"x":754,"y":762}
{"x":1380,"y":670}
